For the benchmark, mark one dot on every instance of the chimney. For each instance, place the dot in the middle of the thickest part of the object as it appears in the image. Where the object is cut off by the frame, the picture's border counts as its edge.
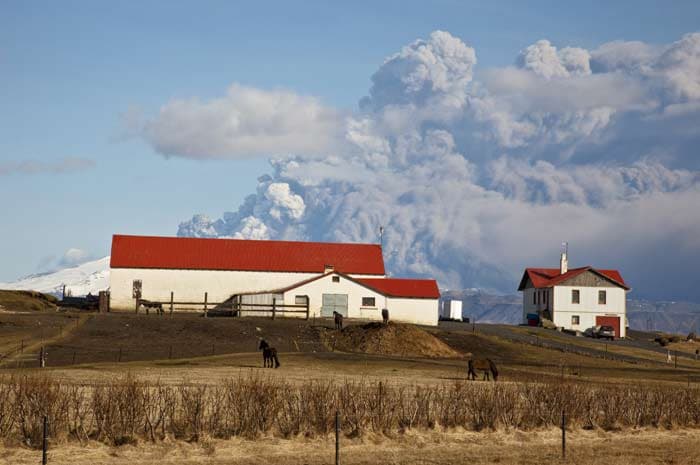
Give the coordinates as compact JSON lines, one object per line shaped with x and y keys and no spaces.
{"x":564,"y":262}
{"x":328,"y":269}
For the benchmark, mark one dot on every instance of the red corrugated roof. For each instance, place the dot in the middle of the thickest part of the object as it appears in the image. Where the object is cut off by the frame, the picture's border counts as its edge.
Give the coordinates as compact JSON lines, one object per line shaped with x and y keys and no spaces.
{"x":548,"y":277}
{"x":394,"y":287}
{"x":244,"y":255}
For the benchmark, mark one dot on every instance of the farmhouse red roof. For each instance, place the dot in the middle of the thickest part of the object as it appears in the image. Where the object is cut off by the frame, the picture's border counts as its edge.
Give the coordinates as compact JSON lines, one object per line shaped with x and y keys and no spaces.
{"x":548,"y":277}
{"x":395,"y":287}
{"x":244,"y":255}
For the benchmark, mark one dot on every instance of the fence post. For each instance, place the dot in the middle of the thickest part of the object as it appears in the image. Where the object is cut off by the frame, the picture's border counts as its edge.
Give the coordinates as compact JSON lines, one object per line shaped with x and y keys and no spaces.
{"x":205,"y":304}
{"x":42,"y":358}
{"x":563,"y":434}
{"x":21,"y":349}
{"x":172,"y":301}
{"x":45,"y":443}
{"x":337,"y":438}
{"x":307,"y":308}
{"x":73,"y":358}
{"x":274,"y":305}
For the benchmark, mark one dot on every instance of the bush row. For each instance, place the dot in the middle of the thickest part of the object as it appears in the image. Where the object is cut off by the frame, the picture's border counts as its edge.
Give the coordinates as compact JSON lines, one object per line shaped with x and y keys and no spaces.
{"x":131,"y":409}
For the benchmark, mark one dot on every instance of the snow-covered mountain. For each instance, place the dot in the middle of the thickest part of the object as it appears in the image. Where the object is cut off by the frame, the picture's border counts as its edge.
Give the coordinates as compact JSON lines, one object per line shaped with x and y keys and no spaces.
{"x":89,"y":277}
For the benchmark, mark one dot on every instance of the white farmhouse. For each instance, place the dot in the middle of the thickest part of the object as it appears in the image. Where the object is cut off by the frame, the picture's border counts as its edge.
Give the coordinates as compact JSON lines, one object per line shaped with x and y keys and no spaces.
{"x":347,"y":278}
{"x":575,"y":299}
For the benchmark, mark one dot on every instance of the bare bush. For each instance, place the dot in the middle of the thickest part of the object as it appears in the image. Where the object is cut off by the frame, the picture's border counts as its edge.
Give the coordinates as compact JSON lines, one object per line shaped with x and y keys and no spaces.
{"x":128,"y":409}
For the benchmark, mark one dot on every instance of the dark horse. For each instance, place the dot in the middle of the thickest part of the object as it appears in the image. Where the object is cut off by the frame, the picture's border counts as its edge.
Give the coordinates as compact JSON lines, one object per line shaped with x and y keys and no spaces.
{"x":484,"y":364}
{"x":269,"y":354}
{"x":338,"y":317}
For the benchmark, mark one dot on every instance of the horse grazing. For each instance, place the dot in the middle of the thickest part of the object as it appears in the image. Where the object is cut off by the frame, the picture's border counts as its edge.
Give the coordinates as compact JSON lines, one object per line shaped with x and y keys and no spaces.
{"x":484,"y":364}
{"x":148,"y":305}
{"x":338,"y":317}
{"x":269,"y":355}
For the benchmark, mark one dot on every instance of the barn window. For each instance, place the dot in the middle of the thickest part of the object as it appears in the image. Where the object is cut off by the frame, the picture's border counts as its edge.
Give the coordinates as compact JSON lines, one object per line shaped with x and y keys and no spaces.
{"x":300,"y":300}
{"x":602,"y":298}
{"x":574,"y":319}
{"x":534,"y":298}
{"x":336,"y":279}
{"x":575,"y":296}
{"x":368,"y":302}
{"x":136,"y":288}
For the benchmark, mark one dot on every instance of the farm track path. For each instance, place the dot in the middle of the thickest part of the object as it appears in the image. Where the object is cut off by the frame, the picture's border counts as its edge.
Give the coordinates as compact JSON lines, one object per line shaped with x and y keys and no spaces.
{"x":17,"y":354}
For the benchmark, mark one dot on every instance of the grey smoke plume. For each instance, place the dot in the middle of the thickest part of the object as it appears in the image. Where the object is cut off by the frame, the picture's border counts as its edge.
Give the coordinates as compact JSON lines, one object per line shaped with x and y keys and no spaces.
{"x":477,"y":174}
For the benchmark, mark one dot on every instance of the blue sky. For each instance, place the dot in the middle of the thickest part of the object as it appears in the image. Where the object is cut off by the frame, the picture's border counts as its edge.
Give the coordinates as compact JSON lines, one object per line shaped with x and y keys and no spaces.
{"x":70,"y":70}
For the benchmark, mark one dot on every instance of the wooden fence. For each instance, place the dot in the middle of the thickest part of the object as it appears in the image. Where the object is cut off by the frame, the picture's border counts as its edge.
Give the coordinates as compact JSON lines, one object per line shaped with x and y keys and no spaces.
{"x":231,"y":307}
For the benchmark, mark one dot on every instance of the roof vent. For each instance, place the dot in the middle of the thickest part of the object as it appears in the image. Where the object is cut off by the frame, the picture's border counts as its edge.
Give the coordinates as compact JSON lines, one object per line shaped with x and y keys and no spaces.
{"x":564,"y":261}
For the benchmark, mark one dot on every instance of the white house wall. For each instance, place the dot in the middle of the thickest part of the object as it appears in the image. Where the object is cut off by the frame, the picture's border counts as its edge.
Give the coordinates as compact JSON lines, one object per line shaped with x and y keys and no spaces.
{"x":190,"y":285}
{"x":355,"y":292}
{"x":588,"y":308}
{"x":530,"y":307}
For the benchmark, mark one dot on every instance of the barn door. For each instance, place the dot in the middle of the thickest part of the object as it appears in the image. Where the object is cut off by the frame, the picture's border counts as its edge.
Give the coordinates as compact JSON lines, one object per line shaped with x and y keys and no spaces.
{"x":334,"y":303}
{"x":613,"y":321}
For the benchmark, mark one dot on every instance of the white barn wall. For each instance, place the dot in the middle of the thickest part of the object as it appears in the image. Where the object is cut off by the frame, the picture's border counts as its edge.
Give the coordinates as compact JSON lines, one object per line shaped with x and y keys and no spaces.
{"x":354,"y":291}
{"x":588,"y":308}
{"x":417,"y":311}
{"x":190,"y":285}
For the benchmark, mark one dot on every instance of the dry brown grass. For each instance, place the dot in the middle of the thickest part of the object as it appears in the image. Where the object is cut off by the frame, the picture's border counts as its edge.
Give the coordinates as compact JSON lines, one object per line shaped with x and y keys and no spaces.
{"x":637,"y":447}
{"x":129,"y":410}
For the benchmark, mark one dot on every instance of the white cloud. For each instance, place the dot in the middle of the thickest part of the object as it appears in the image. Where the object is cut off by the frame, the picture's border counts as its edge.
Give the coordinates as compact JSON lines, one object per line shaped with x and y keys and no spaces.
{"x":437,"y":69}
{"x":252,"y":228}
{"x":73,"y":257}
{"x":284,"y":201}
{"x":62,"y":166}
{"x":246,"y":122}
{"x":543,"y":59}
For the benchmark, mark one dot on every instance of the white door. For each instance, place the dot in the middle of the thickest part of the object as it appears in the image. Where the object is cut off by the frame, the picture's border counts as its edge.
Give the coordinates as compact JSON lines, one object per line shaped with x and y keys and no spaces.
{"x":334,"y":303}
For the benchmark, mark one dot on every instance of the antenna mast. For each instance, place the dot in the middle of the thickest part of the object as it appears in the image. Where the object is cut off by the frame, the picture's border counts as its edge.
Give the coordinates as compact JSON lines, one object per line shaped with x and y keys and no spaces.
{"x":381,"y":236}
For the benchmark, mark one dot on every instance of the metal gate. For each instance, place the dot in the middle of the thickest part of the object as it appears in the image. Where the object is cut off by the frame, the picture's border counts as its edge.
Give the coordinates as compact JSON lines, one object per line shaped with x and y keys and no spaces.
{"x":334,"y":303}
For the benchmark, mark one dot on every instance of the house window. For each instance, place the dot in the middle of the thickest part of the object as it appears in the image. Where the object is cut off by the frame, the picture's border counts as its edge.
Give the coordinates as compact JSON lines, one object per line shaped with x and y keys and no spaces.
{"x":300,"y":300}
{"x":574,"y":319}
{"x":368,"y":302}
{"x":602,"y":298}
{"x":336,"y":279}
{"x":575,"y":296}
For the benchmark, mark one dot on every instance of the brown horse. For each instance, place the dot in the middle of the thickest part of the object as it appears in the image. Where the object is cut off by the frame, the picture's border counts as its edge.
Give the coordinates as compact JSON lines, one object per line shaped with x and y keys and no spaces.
{"x":484,"y":364}
{"x":338,"y":317}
